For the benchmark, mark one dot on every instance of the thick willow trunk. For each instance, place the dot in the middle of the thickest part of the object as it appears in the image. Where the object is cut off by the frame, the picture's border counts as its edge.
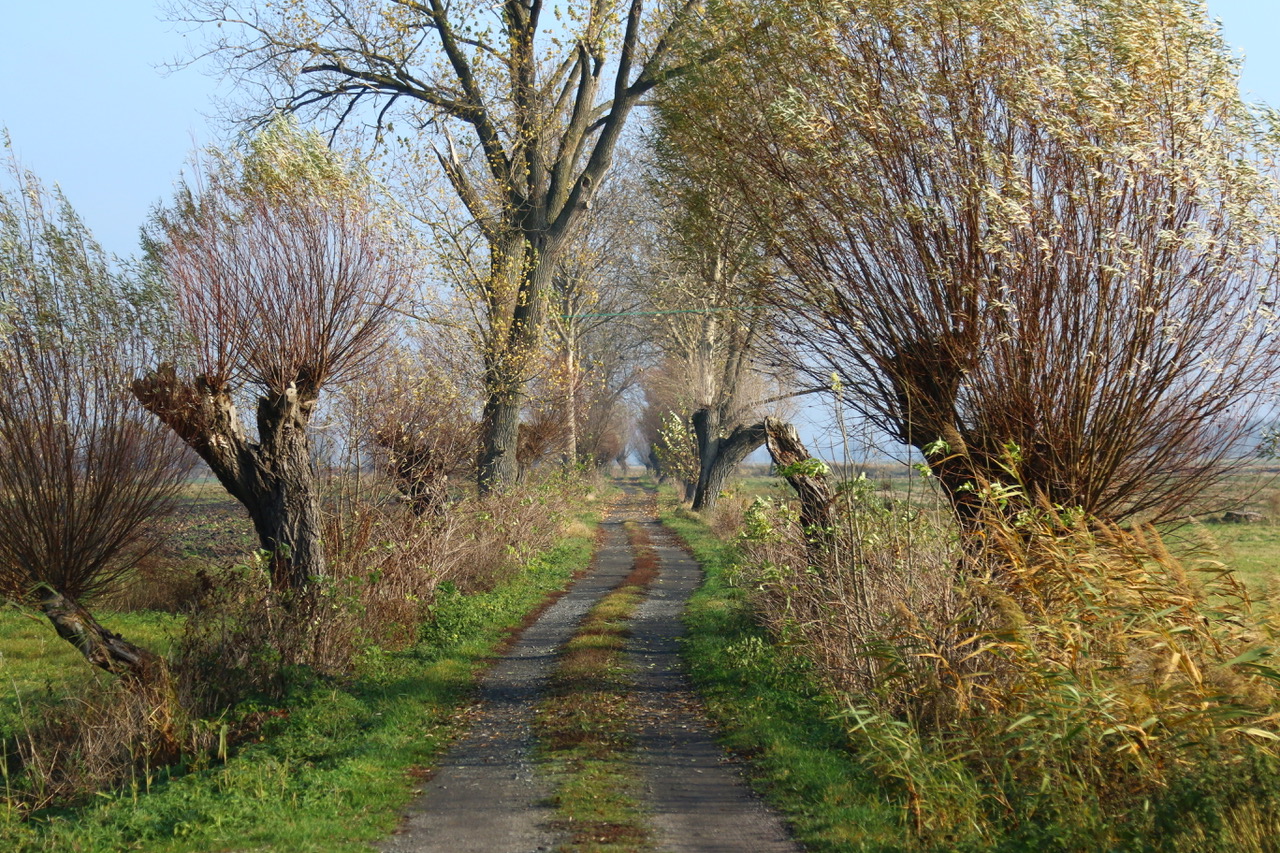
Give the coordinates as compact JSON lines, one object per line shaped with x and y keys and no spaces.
{"x":927,"y":375}
{"x":719,"y":457}
{"x":102,"y":648}
{"x":816,"y":501}
{"x":499,"y":465}
{"x":274,"y":478}
{"x":286,"y":509}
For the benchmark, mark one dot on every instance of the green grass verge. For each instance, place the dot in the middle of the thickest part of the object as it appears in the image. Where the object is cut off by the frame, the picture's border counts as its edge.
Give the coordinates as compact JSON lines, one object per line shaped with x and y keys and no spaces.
{"x":333,"y":773}
{"x":767,"y":709}
{"x":1251,"y":550}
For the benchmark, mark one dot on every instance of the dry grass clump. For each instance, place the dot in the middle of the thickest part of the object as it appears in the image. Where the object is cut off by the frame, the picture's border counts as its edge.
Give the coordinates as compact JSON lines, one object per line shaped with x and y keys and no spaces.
{"x":726,"y":517}
{"x":158,"y":583}
{"x":1064,"y":679}
{"x":851,"y":597}
{"x":386,"y":565}
{"x":111,"y":736}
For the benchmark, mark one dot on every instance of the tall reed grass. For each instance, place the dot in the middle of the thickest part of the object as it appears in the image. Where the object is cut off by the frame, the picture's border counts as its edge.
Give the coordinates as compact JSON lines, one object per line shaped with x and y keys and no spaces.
{"x":1057,"y":682}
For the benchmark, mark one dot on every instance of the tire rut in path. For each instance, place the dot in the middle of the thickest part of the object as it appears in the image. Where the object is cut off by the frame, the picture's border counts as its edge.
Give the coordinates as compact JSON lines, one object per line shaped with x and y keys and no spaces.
{"x":698,"y":800}
{"x":486,"y":795}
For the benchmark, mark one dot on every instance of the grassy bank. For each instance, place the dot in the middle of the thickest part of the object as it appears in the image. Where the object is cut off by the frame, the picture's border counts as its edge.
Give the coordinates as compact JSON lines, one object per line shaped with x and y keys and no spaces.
{"x":1066,"y":757}
{"x":330,"y":766}
{"x":1252,"y":550}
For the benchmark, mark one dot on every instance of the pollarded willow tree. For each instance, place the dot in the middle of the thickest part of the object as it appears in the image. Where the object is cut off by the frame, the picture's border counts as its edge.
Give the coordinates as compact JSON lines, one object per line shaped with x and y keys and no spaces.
{"x":522,"y":114}
{"x":83,"y":470}
{"x":1034,"y":238}
{"x":285,"y":275}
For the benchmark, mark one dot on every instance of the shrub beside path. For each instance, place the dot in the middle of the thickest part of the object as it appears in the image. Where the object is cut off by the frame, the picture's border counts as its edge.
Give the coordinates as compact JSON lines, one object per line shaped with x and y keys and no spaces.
{"x":486,"y":794}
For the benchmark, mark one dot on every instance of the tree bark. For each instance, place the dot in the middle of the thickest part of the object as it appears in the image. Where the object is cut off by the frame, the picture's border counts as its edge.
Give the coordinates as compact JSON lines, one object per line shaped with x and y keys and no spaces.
{"x":653,"y":464}
{"x":571,"y":415}
{"x":286,"y":513}
{"x":500,"y":424}
{"x":719,"y":457}
{"x":102,"y":648}
{"x":507,"y":366}
{"x":813,"y":490}
{"x":275,"y":479}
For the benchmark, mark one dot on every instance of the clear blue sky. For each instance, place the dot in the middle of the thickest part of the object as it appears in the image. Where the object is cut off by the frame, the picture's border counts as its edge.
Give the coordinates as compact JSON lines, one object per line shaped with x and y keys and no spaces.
{"x":87,"y":108}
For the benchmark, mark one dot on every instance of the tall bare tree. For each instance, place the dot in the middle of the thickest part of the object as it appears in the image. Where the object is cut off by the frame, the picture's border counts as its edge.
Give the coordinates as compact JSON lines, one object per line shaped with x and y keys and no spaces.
{"x":83,"y":470}
{"x":285,"y":276}
{"x":522,"y":115}
{"x":596,"y":337}
{"x":1035,"y":240}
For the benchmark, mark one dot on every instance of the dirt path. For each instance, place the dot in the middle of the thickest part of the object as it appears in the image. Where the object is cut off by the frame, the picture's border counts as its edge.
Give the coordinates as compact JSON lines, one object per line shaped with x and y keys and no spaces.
{"x":486,"y":795}
{"x":699,"y":802}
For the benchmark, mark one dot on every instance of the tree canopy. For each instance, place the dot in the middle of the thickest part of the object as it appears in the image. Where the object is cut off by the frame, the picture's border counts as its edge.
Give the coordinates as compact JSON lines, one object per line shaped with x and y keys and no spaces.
{"x":519,"y":104}
{"x":1033,"y":238}
{"x":285,"y":275}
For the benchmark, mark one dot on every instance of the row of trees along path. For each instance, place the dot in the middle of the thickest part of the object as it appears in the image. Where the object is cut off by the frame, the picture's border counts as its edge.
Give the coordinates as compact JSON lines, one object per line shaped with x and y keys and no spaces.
{"x":487,"y":793}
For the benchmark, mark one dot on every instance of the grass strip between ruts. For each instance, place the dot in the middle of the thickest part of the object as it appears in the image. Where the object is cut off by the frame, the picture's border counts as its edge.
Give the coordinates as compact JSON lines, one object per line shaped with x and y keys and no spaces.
{"x":584,"y":725}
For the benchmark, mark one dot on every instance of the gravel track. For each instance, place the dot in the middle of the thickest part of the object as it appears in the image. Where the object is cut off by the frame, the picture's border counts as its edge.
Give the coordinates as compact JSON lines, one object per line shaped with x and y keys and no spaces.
{"x":486,"y":796}
{"x":698,"y":800}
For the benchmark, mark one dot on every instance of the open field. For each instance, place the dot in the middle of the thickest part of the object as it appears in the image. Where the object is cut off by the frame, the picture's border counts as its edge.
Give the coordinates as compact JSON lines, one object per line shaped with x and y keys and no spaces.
{"x":208,"y":525}
{"x":1251,"y":548}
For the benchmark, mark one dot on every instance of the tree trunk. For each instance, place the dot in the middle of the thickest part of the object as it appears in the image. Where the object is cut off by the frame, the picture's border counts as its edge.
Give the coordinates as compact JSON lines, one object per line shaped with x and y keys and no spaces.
{"x":958,"y":473}
{"x":286,"y":511}
{"x":653,"y":464}
{"x":102,"y":648}
{"x":275,"y":478}
{"x":571,"y":416}
{"x":499,"y":466}
{"x":720,"y":457}
{"x":927,"y":375}
{"x":816,"y":501}
{"x":506,"y":369}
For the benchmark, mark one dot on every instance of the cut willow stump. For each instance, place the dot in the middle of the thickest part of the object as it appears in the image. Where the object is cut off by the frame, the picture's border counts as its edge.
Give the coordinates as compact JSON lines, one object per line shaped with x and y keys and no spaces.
{"x":809,"y":481}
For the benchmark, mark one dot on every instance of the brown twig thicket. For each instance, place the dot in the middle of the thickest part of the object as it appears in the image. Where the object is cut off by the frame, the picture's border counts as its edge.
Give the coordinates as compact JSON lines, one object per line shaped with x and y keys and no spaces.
{"x":1012,"y":224}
